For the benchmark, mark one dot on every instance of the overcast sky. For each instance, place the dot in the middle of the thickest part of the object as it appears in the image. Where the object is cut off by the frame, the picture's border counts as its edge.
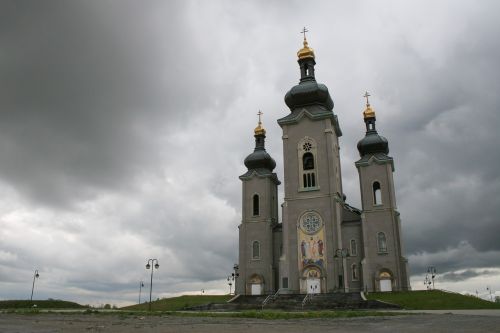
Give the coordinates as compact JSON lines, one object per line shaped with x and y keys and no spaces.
{"x":124,"y":125}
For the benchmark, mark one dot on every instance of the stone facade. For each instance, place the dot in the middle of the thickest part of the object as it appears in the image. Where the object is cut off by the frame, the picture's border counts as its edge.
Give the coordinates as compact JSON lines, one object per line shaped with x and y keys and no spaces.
{"x":323,"y":244}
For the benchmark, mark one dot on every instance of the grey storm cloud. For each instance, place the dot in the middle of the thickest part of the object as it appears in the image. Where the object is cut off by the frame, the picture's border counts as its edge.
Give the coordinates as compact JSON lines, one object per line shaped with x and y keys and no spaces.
{"x":123,"y":127}
{"x":465,"y":275}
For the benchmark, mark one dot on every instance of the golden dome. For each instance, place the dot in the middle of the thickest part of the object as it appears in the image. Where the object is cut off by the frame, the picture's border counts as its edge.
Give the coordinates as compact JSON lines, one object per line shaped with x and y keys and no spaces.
{"x":305,"y":52}
{"x":259,"y":130}
{"x":369,"y":112}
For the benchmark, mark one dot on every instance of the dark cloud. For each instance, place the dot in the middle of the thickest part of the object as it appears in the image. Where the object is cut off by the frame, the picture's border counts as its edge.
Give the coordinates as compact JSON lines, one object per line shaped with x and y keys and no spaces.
{"x":123,"y":127}
{"x":465,"y":275}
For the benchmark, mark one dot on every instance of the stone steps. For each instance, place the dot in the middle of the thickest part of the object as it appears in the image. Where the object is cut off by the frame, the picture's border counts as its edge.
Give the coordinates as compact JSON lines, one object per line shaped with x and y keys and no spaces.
{"x":293,"y":302}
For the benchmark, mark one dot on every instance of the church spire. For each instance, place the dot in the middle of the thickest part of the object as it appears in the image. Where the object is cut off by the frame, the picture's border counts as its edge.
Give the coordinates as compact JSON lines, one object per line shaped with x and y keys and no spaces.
{"x":372,"y":143}
{"x":306,"y":60}
{"x":260,"y":159}
{"x":369,"y":114}
{"x":306,"y":51}
{"x":259,"y":130}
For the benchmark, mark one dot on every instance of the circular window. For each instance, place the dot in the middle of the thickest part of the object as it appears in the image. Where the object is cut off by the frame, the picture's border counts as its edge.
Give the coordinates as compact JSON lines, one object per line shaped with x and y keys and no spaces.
{"x":307,"y":146}
{"x":311,"y":223}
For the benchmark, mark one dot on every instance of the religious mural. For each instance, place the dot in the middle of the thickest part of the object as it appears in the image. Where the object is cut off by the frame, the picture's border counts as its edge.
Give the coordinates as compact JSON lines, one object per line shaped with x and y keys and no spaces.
{"x":311,"y":238}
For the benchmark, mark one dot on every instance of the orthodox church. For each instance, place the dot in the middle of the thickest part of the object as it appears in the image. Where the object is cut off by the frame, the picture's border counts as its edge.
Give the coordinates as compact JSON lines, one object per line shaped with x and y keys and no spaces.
{"x":323,"y":244}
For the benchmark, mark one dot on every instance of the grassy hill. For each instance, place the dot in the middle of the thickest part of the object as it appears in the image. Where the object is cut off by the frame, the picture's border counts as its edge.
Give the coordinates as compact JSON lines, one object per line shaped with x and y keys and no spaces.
{"x":433,"y":300}
{"x":179,"y":303}
{"x":40,"y":304}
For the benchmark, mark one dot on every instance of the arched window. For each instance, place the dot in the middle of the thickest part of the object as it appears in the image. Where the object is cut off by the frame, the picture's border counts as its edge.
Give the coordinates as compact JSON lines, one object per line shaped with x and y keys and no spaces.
{"x":309,"y":176}
{"x":256,"y":210}
{"x":354,"y":248}
{"x":307,"y":169}
{"x":308,"y":161}
{"x":354,"y":272}
{"x":377,"y":194}
{"x":255,"y":250}
{"x":382,"y":242}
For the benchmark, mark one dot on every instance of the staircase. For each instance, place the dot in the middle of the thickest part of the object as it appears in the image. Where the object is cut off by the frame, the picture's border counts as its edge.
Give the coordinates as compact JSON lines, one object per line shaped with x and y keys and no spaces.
{"x":298,"y":302}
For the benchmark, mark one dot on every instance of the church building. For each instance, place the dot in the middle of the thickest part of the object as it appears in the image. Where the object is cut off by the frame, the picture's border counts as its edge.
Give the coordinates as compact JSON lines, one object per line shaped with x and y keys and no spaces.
{"x":323,"y":244}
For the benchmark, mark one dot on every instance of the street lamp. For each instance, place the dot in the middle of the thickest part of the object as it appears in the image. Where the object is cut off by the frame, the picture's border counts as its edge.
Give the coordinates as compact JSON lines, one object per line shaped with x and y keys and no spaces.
{"x":342,"y":253}
{"x":141,"y":284}
{"x":491,"y":296}
{"x":235,"y":276}
{"x":148,"y":266}
{"x":35,"y":276}
{"x":427,"y":282}
{"x":230,"y":278}
{"x":432,"y":271}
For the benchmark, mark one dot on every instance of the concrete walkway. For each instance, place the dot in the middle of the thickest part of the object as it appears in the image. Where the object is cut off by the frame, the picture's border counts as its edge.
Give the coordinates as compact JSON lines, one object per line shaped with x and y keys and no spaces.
{"x":484,"y":312}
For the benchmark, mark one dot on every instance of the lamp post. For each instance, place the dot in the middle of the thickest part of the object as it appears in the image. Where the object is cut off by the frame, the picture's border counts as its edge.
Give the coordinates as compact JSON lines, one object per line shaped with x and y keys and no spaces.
{"x":148,"y":266}
{"x":342,"y":254}
{"x":491,"y":296}
{"x":432,"y":271}
{"x":230,"y":280}
{"x":235,"y":275}
{"x":427,"y":282}
{"x":35,"y":276}
{"x":141,"y":284}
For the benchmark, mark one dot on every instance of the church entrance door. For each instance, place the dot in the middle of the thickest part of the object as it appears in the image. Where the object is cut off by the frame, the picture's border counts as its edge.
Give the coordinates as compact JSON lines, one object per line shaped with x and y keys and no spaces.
{"x":385,"y":285}
{"x":256,"y":289}
{"x":313,"y":286}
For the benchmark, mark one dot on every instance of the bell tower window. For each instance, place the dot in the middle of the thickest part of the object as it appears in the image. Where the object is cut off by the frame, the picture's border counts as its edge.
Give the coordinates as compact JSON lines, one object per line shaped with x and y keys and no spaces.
{"x":255,"y":250}
{"x":256,"y":208}
{"x":307,"y":164}
{"x":308,"y":161}
{"x":377,"y":194}
{"x":381,"y":242}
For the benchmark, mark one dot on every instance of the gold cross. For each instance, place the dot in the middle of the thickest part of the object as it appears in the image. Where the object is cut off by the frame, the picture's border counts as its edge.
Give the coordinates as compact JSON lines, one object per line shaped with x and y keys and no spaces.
{"x":260,"y":113}
{"x":366,"y":95}
{"x":304,"y":32}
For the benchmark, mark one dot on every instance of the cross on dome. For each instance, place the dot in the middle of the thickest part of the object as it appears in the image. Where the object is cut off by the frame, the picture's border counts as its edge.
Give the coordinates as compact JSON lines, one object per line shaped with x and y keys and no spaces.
{"x":366,"y":95}
{"x":304,"y":32}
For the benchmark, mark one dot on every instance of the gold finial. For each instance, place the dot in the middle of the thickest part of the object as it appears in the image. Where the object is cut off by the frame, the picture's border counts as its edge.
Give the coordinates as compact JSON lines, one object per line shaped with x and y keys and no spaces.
{"x":369,"y":112}
{"x":259,"y":130}
{"x":306,"y":51}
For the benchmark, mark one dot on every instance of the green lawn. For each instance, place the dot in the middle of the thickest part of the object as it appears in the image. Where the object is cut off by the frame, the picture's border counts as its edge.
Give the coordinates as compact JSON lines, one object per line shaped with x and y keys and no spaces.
{"x":45,"y":304}
{"x":179,"y":303}
{"x":433,"y":300}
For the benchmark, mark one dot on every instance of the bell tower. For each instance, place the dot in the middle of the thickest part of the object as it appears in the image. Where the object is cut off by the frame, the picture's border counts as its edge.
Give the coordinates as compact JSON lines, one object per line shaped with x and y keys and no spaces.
{"x":313,"y":189}
{"x":257,"y":267}
{"x":384,"y":267}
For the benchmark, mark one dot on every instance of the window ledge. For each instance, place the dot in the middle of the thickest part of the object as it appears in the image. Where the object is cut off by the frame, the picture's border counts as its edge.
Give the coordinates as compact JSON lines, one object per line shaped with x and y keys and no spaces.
{"x":309,"y":189}
{"x":383,"y":253}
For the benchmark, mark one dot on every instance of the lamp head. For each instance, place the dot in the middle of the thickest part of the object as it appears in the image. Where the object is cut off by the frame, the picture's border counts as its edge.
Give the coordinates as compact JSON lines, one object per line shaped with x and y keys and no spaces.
{"x":157,"y":266}
{"x":37,"y":275}
{"x":148,"y":266}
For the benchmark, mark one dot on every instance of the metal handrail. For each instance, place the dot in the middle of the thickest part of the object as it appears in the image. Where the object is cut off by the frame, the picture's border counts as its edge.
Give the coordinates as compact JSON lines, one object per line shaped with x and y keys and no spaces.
{"x":304,"y":301}
{"x":271,"y":297}
{"x":266,"y":300}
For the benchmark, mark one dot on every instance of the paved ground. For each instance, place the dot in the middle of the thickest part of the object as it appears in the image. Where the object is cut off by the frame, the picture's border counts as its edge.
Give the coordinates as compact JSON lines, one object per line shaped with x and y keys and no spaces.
{"x":485,"y":312}
{"x":111,"y":323}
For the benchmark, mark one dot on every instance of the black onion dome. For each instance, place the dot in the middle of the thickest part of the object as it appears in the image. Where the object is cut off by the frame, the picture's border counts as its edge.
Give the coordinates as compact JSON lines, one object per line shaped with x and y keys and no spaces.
{"x":373,"y":143}
{"x":260,"y":159}
{"x":308,"y":93}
